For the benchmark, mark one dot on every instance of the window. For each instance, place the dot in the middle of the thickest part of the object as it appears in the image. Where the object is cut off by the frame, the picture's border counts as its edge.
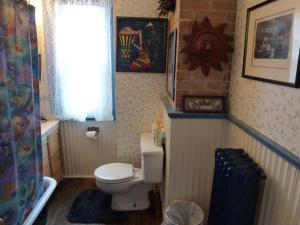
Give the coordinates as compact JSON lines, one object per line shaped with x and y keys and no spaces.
{"x":81,"y":56}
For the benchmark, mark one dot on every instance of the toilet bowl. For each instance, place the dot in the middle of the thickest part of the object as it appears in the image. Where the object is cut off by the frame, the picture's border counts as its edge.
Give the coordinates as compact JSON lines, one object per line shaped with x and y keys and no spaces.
{"x":130,"y":186}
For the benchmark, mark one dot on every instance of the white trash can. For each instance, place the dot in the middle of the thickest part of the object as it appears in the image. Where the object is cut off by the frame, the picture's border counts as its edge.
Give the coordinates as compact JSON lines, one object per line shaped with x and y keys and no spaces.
{"x":183,"y":213}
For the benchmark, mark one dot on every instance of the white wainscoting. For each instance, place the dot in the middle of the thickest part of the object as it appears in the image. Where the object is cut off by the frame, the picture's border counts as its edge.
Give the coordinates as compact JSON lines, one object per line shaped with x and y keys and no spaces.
{"x":280,"y":203}
{"x":190,"y":159}
{"x":190,"y":163}
{"x":81,"y":155}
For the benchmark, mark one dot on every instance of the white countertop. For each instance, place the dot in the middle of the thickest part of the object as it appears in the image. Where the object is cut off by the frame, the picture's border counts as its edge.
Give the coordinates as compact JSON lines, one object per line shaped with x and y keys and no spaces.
{"x":47,"y":127}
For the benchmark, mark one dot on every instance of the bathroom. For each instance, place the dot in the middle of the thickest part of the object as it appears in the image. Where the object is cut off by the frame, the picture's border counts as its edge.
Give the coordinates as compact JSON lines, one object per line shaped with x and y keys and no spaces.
{"x":95,"y":159}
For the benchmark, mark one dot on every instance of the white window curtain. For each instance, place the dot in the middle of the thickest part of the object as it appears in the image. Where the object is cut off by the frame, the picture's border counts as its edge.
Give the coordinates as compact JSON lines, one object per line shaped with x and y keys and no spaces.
{"x":79,"y":58}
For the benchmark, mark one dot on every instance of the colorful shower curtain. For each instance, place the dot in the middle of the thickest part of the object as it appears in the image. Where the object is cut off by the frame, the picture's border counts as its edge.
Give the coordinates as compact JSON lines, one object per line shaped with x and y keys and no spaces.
{"x":21,"y":182}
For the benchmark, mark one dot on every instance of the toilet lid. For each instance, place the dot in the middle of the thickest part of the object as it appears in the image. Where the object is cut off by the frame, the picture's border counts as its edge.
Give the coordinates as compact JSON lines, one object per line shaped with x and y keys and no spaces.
{"x":114,"y":172}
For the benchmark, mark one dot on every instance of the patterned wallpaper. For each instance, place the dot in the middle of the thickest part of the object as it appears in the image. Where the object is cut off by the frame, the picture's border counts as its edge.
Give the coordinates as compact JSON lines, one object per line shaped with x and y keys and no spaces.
{"x":271,"y":109}
{"x":138,"y":105}
{"x":137,"y":94}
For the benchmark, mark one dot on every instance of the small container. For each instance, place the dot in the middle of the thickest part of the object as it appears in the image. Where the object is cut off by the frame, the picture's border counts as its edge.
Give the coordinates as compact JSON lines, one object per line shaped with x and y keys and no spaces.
{"x":157,"y":129}
{"x":183,"y":213}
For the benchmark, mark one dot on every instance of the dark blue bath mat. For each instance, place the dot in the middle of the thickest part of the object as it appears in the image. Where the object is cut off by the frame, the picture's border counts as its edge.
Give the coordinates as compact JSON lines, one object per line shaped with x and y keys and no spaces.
{"x":93,"y":206}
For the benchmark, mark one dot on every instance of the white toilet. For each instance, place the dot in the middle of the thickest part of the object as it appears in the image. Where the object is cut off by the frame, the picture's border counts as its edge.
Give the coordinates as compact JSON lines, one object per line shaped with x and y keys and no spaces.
{"x":130,"y":186}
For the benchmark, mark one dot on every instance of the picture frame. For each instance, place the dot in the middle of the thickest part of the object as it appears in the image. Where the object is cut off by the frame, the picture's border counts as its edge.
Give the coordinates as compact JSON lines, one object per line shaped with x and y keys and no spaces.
{"x":272,"y":46}
{"x":203,"y":104}
{"x":141,"y":44}
{"x":171,"y":68}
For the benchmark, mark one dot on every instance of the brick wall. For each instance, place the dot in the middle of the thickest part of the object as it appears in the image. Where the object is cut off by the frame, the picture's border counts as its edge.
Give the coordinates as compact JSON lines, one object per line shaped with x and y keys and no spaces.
{"x":194,"y":82}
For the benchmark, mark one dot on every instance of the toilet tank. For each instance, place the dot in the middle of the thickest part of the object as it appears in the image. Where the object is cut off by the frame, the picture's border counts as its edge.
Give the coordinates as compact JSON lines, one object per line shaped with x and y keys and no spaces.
{"x":152,"y":159}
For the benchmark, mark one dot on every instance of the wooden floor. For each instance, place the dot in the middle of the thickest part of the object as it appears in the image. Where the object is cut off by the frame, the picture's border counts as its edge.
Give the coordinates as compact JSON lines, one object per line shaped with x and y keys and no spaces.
{"x":61,"y":202}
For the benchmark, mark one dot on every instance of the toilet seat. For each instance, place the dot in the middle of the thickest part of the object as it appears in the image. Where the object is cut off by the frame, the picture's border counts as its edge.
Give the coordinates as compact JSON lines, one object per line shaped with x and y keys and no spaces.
{"x":114,"y":172}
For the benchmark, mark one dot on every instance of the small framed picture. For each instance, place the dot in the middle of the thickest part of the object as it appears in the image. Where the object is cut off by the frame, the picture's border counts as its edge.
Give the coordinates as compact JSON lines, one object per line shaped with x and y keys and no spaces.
{"x":171,"y":69}
{"x":272,"y":43}
{"x":204,"y":104}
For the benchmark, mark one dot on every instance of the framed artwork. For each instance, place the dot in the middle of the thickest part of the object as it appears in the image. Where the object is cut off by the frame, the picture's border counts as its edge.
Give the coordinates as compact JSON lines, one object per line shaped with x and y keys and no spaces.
{"x":141,"y":45}
{"x":273,"y":43}
{"x":171,"y":69}
{"x":204,"y":104}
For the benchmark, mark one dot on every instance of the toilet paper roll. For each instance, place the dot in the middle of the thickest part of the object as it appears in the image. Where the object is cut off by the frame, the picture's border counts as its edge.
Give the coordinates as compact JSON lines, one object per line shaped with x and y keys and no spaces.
{"x":91,"y":135}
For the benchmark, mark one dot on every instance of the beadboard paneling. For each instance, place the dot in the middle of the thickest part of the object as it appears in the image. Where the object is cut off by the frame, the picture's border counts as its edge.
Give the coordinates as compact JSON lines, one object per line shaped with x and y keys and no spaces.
{"x":280,"y":202}
{"x":190,"y":150}
{"x":190,"y":158}
{"x":81,"y":156}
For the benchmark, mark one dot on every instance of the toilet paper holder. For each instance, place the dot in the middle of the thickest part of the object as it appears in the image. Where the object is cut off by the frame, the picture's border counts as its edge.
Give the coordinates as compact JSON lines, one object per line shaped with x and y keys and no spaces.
{"x":97,"y":129}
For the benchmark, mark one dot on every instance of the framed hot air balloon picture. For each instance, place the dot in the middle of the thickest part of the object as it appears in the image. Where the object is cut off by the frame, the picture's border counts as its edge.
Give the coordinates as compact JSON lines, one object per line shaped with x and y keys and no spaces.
{"x":141,"y":44}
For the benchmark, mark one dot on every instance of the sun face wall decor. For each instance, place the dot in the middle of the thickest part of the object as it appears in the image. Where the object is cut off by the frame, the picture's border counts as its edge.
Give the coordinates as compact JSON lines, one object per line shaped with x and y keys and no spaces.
{"x":207,"y":46}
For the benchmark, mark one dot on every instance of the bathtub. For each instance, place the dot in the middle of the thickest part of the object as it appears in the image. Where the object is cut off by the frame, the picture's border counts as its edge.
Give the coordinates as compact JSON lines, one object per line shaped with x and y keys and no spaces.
{"x":50,"y":185}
